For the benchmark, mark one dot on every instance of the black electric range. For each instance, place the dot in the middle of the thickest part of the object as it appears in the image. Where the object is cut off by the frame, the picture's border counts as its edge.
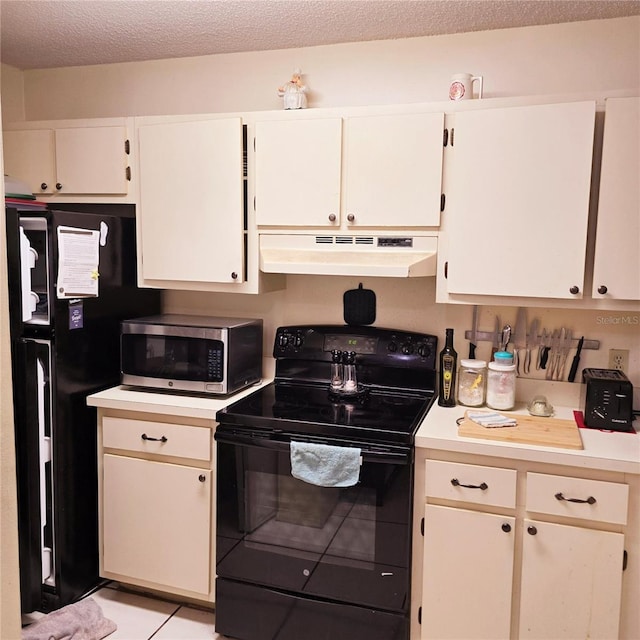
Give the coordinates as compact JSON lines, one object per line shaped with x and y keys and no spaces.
{"x":300,"y":559}
{"x":395,"y":385}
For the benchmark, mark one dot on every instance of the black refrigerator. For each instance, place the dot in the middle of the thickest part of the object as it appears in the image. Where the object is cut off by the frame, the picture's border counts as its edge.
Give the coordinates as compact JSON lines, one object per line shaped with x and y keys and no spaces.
{"x":72,"y":279}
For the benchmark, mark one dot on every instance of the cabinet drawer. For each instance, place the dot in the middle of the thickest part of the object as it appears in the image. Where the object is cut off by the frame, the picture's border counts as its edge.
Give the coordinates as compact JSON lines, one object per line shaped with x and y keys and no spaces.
{"x":161,"y":438}
{"x":471,"y":483}
{"x":577,"y":498}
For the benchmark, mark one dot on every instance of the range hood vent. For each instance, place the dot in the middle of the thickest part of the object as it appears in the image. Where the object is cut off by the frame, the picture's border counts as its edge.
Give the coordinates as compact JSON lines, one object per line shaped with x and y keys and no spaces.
{"x":391,"y":256}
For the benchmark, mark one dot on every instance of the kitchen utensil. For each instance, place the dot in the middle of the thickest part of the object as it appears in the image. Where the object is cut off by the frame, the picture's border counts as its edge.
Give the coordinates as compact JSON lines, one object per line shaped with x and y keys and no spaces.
{"x":506,"y":337}
{"x":359,"y":306}
{"x":497,"y":337}
{"x":532,"y":343}
{"x":474,"y":334}
{"x":542,"y":351}
{"x":565,"y":347}
{"x":553,"y":354}
{"x":576,"y":361}
{"x":520,"y":337}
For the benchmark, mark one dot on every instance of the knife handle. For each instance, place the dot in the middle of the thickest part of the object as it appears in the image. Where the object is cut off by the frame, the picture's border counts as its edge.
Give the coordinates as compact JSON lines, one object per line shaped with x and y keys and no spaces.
{"x":544,"y":357}
{"x":472,"y":351}
{"x":574,"y":368}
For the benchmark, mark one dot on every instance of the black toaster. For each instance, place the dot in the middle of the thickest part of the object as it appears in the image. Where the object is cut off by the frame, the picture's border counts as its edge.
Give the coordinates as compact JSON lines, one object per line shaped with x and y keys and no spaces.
{"x":607,"y":399}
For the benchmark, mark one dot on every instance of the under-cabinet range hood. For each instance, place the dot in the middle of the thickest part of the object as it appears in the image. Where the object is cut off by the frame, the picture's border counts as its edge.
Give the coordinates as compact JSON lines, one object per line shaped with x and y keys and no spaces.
{"x":392,"y":256}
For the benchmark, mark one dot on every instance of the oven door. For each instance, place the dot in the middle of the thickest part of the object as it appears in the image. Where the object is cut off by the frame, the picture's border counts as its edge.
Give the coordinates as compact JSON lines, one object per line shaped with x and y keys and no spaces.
{"x":311,"y":548}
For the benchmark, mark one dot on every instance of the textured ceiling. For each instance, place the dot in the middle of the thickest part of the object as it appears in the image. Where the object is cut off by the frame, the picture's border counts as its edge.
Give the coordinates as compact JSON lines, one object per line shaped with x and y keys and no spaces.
{"x":56,"y":33}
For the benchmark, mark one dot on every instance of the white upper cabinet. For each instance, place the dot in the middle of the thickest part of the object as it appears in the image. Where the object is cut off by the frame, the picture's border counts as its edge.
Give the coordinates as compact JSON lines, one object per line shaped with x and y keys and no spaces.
{"x":79,"y":160}
{"x":393,"y":170}
{"x":30,"y":156}
{"x":360,"y":171}
{"x":190,"y":218}
{"x":616,"y":273}
{"x":298,"y":165}
{"x":518,"y":201}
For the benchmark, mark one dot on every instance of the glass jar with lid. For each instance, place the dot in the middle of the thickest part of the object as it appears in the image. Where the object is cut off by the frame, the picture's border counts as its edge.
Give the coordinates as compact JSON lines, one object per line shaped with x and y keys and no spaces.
{"x":472,"y":382}
{"x":501,"y":386}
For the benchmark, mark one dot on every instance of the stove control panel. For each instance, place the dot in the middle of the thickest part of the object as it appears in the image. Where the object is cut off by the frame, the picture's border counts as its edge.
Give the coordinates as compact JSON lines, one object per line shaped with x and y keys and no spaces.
{"x":372,"y":345}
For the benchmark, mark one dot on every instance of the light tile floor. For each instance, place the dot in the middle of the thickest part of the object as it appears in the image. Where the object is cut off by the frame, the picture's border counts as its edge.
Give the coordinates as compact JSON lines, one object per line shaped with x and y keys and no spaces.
{"x":141,"y":617}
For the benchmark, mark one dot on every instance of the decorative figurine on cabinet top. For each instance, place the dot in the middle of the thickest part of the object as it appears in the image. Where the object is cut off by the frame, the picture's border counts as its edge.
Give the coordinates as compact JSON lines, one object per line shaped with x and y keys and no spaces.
{"x":293,"y":92}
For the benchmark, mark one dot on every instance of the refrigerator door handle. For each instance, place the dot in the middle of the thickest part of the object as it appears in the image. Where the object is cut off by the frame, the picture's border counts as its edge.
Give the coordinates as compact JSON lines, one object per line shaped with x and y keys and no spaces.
{"x":44,"y":441}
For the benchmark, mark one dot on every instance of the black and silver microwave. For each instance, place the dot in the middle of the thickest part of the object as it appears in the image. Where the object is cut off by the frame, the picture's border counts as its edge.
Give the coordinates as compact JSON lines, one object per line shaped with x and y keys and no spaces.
{"x":194,"y":354}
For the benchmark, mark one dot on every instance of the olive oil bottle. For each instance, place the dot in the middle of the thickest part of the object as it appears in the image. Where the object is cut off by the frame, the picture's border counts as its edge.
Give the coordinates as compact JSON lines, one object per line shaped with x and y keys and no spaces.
{"x":448,"y":373}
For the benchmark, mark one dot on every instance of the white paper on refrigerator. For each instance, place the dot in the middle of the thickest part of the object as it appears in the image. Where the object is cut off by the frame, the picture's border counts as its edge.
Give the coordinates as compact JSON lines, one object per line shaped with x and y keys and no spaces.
{"x":78,"y":262}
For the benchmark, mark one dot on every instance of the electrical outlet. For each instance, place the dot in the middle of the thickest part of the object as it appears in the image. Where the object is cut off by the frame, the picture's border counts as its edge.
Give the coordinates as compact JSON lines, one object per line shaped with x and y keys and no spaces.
{"x":619,"y":359}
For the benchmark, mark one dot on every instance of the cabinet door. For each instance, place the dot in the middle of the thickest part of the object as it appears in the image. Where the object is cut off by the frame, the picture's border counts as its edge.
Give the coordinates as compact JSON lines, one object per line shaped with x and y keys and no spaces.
{"x":616,"y":273}
{"x":30,"y":156}
{"x":191,"y":224}
{"x":393,"y":170}
{"x":73,"y":161}
{"x":571,"y":582}
{"x":517,"y":209}
{"x":468,"y":574}
{"x":156,"y":522}
{"x":91,"y":160}
{"x":298,"y":164}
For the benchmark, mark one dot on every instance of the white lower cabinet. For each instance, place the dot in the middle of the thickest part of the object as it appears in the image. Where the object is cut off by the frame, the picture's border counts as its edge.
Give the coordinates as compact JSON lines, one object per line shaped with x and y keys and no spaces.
{"x":512,"y":553}
{"x":468,"y":569}
{"x":157,"y":487}
{"x":164,"y":511}
{"x":571,"y":582}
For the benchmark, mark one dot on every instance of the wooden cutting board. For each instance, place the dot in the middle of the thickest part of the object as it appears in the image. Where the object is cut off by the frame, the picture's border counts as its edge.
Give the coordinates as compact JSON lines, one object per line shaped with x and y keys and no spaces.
{"x":549,"y":432}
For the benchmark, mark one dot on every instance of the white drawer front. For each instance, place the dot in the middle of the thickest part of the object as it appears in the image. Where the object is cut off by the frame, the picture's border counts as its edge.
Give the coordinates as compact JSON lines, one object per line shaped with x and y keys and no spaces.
{"x":484,"y":485}
{"x":558,"y":495}
{"x":144,"y":436}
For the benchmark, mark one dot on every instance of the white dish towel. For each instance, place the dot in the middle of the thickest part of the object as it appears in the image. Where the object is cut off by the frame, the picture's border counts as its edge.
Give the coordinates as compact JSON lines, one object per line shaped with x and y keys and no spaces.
{"x":325,"y":465}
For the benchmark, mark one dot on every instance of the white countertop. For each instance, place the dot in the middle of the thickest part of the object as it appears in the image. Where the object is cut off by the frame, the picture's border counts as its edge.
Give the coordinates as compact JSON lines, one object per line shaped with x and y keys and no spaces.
{"x":602,"y":449}
{"x":186,"y":406}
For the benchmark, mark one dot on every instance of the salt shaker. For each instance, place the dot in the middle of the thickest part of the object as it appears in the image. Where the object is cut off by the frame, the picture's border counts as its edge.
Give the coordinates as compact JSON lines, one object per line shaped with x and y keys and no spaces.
{"x":337,"y":375}
{"x":350,"y":380}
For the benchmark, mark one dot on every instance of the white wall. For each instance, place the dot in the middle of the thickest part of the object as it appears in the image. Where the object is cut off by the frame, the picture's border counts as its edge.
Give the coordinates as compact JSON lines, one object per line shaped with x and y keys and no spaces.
{"x":594,"y":55}
{"x":12,"y":85}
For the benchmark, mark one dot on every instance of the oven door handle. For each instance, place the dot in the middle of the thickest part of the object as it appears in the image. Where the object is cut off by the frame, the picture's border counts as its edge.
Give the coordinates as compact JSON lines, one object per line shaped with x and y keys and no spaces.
{"x":404,"y":456}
